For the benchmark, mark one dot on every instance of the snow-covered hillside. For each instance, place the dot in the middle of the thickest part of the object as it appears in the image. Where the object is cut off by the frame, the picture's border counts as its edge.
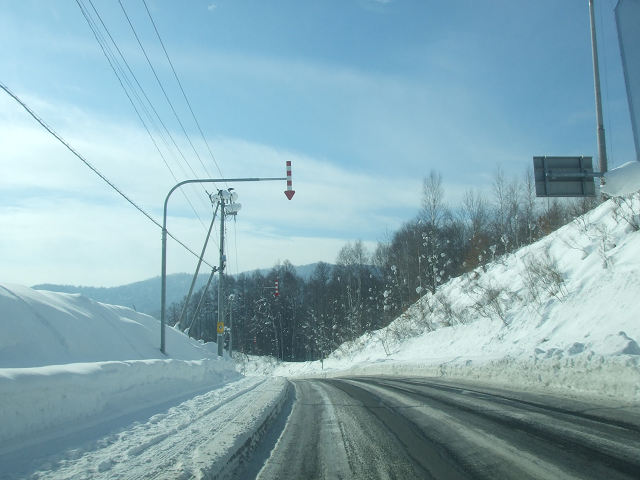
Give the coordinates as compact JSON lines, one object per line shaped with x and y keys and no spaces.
{"x":561,"y":314}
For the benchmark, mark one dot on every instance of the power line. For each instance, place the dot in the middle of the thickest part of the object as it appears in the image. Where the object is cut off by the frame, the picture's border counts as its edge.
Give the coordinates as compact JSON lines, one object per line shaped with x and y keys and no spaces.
{"x":93,"y":169}
{"x":144,"y":93}
{"x":182,"y":90}
{"x":122,"y":79}
{"x":235,"y":241}
{"x":166,"y":96}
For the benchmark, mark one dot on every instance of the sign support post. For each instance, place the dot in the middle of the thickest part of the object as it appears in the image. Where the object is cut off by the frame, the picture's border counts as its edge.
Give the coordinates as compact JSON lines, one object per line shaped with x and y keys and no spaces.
{"x":602,"y":149}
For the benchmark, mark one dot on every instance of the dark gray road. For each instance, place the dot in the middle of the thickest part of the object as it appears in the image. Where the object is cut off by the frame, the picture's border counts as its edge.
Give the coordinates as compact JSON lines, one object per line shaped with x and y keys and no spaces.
{"x":376,"y":427}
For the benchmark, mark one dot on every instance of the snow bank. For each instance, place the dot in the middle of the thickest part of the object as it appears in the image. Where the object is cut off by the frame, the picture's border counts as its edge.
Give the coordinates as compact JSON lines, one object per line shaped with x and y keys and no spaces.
{"x":561,"y":314}
{"x":43,"y":398}
{"x":66,"y":360}
{"x":623,"y":180}
{"x":49,"y":328}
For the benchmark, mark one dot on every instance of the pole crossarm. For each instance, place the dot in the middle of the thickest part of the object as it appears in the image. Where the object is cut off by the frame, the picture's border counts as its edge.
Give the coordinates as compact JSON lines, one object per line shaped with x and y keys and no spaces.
{"x":163,"y":300}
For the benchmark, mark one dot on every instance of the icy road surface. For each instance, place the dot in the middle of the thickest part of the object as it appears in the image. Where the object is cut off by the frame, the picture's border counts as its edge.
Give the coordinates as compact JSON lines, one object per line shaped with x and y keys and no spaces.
{"x":202,"y":437}
{"x":377,"y":427}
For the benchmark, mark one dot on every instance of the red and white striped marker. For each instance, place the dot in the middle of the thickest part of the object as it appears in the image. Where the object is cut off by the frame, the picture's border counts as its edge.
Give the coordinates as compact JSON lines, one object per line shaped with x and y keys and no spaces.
{"x":289,"y":192}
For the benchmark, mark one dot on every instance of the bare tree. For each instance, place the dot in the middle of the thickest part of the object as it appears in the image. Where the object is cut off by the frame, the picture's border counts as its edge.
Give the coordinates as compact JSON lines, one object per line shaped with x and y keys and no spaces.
{"x":476,"y":217}
{"x":528,"y":221}
{"x":475,"y":212}
{"x":506,"y":197}
{"x":433,"y":207}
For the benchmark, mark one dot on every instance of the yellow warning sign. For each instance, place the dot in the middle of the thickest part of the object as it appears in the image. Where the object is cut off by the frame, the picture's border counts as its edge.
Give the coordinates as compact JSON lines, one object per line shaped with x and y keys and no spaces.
{"x":220,"y":327}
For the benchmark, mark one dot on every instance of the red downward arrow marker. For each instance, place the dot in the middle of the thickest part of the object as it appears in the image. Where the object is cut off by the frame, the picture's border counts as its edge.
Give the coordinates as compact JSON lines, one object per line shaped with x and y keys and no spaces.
{"x":289,"y":193}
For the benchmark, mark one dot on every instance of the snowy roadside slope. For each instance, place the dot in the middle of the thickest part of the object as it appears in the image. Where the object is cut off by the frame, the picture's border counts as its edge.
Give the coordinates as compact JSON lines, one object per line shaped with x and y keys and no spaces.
{"x":561,"y":314}
{"x":208,"y":435}
{"x":66,"y":360}
{"x":49,"y":328}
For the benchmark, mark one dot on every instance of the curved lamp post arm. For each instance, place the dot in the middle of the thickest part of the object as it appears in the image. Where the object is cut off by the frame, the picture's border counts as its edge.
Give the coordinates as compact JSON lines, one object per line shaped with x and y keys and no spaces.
{"x":163,"y":298}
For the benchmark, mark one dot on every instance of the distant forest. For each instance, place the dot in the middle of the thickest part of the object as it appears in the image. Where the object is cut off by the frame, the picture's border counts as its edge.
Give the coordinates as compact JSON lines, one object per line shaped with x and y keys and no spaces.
{"x":366,"y":290}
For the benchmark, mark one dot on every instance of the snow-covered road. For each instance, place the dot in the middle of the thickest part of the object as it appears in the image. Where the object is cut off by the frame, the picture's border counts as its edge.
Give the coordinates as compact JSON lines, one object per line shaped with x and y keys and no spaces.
{"x":200,"y":437}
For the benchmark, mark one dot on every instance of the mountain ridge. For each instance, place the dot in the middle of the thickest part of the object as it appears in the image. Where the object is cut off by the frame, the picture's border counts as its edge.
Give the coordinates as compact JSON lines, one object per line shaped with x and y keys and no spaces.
{"x":144,"y":295}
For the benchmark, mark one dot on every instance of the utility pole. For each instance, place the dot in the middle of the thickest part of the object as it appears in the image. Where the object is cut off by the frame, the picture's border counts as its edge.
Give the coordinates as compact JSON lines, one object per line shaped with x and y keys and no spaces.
{"x":602,"y":148}
{"x":163,"y":291}
{"x":226,"y":202}
{"x":220,"y":338}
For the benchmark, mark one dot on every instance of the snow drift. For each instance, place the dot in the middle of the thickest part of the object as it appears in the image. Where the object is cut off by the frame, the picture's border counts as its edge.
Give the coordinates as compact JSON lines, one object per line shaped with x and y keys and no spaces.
{"x":66,"y":359}
{"x":47,"y":328}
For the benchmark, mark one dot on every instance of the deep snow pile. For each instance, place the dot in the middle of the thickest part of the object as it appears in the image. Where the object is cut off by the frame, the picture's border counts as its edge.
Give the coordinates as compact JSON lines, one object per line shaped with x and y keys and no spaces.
{"x":49,"y":328}
{"x":561,"y":314}
{"x":66,"y":359}
{"x":624,"y":180}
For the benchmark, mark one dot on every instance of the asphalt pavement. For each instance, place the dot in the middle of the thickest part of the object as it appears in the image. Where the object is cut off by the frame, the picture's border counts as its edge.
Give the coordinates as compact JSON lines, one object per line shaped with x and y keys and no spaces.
{"x":413,"y":428}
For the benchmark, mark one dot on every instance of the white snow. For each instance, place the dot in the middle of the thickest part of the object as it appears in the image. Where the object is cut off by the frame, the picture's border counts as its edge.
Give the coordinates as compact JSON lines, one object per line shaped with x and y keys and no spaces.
{"x":561,"y":314}
{"x":78,"y":378}
{"x":623,"y":180}
{"x":86,"y":393}
{"x":50,"y":328}
{"x":198,"y":438}
{"x":43,"y":398}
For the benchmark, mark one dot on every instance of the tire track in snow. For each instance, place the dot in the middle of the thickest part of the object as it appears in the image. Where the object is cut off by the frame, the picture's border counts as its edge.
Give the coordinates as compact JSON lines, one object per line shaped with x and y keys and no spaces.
{"x":191,"y":440}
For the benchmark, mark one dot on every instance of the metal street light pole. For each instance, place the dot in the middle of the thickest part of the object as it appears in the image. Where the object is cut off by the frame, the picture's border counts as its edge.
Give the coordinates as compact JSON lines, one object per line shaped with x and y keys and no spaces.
{"x":163,"y":296}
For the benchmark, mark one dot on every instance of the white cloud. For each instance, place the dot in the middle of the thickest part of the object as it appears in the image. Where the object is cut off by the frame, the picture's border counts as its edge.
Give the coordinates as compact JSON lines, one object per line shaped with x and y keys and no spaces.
{"x":62,"y":224}
{"x":420,"y":122}
{"x":374,"y":5}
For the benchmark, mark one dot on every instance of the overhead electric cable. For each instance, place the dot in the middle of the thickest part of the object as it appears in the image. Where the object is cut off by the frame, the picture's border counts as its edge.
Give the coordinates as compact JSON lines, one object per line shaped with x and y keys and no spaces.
{"x":92,"y":168}
{"x":144,"y":93}
{"x":182,"y":90}
{"x":122,"y":79}
{"x":235,"y":241}
{"x":166,"y":96}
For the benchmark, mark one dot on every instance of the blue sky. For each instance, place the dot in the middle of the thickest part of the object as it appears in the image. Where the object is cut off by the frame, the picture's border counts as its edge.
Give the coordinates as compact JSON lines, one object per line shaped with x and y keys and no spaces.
{"x":364,"y":96}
